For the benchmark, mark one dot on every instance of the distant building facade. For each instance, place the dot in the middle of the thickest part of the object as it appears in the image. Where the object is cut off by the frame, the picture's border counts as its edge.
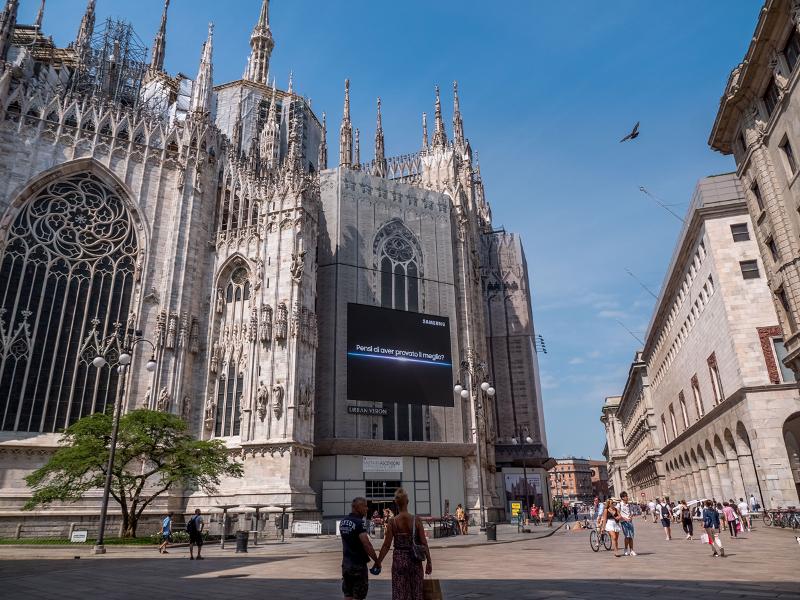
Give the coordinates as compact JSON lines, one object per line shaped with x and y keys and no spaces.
{"x":600,"y":487}
{"x":706,"y":401}
{"x":614,"y":451}
{"x":571,"y":480}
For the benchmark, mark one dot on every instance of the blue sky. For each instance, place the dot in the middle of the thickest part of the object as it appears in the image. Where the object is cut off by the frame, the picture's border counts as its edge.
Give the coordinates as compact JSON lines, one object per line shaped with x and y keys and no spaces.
{"x":547,"y":90}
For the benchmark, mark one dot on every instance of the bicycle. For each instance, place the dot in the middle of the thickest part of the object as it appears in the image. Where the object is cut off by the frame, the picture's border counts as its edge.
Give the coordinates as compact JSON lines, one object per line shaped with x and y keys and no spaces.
{"x":595,"y":539}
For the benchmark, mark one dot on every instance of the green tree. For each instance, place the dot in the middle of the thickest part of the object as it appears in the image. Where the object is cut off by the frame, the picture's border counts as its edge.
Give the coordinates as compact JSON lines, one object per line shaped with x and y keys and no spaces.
{"x":155,"y":452}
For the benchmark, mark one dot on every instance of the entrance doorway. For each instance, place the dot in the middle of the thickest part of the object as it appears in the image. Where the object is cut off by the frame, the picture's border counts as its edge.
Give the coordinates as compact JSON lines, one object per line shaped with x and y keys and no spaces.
{"x":380,"y":496}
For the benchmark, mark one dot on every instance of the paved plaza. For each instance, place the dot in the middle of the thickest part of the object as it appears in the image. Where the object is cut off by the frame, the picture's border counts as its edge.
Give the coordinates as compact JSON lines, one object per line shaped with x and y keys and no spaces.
{"x":762,"y":564}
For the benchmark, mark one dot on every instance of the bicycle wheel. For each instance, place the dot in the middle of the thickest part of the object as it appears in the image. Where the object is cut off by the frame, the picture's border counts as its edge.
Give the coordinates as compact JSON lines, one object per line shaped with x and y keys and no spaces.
{"x":606,"y":540}
{"x":767,"y":518}
{"x":594,"y":540}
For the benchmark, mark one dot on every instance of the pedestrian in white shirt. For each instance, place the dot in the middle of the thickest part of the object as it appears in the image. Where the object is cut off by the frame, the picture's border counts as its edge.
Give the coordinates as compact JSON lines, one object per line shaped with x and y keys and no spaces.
{"x":651,"y":506}
{"x":626,"y":522}
{"x":745,"y":513}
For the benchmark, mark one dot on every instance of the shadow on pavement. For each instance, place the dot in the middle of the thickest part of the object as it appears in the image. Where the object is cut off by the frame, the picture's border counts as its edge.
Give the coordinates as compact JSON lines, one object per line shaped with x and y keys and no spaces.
{"x":235,"y":577}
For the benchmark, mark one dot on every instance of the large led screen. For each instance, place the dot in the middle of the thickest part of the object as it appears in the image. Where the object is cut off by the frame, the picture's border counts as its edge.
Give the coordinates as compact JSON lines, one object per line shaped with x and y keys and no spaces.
{"x":398,"y":356}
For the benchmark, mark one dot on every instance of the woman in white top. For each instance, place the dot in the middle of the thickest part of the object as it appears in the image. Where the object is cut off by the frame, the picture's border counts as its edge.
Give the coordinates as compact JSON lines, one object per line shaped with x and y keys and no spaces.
{"x":610,"y":522}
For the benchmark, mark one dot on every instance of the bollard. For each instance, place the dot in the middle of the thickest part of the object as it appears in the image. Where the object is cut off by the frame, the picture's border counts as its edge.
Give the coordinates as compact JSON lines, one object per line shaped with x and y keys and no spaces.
{"x":491,"y":532}
{"x":241,"y":541}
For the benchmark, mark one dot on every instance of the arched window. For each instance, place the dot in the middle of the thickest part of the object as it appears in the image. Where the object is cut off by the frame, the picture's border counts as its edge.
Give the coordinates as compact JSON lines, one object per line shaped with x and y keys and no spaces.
{"x":684,"y":413}
{"x":70,"y":260}
{"x":231,"y":339}
{"x":698,"y":399}
{"x":398,"y":260}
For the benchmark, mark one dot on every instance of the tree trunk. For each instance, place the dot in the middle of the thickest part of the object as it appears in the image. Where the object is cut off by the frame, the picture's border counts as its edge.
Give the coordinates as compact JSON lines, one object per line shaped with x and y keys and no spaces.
{"x":131,"y":523}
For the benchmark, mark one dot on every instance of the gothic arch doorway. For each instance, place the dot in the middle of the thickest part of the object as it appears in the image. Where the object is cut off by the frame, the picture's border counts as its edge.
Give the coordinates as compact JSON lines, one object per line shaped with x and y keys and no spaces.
{"x":791,"y":437}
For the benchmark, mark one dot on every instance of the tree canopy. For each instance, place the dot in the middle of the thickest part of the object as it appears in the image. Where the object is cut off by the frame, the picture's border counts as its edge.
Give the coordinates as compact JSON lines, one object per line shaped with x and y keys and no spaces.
{"x":155,"y":453}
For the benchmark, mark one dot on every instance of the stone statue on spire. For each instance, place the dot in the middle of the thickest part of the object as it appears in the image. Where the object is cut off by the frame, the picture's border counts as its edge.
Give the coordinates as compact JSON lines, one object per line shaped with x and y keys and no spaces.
{"x":261,"y":45}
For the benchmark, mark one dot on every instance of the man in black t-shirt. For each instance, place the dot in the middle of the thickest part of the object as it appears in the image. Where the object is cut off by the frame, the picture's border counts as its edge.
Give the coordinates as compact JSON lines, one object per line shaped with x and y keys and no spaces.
{"x":356,"y":552}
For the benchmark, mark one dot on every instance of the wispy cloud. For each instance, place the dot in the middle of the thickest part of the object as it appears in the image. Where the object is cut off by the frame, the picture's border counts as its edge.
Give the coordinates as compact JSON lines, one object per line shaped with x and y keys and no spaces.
{"x":576,"y":361}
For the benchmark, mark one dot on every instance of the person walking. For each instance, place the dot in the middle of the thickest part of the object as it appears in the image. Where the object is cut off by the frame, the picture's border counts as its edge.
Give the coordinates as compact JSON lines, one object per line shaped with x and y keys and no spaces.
{"x":711,"y":527}
{"x":744,"y":510}
{"x":166,"y":534}
{"x":686,"y":520}
{"x":357,"y":550}
{"x":406,"y":533}
{"x":609,"y":521}
{"x":626,"y":522}
{"x":460,"y":519}
{"x":730,"y":518}
{"x":662,"y":508}
{"x":651,"y":507}
{"x":575,"y":511}
{"x":195,"y":530}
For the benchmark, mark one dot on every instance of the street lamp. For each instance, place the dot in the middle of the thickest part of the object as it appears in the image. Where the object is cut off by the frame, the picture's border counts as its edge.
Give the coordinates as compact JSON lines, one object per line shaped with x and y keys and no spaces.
{"x":114,"y":350}
{"x":523,"y":439}
{"x":474,"y":371}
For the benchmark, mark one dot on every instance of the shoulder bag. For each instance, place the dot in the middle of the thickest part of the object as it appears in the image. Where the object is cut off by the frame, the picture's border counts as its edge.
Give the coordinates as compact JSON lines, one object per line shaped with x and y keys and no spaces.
{"x":417,"y":549}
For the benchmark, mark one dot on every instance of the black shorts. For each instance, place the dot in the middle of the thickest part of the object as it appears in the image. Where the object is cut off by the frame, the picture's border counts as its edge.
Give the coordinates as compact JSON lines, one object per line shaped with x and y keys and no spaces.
{"x":196,"y":538}
{"x":665,"y":522}
{"x":355,"y":582}
{"x":166,"y":537}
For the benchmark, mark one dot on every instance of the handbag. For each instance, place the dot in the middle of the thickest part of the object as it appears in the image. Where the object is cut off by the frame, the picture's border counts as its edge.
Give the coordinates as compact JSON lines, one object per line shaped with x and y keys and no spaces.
{"x":706,"y":539}
{"x":431,"y":589}
{"x":417,"y":549}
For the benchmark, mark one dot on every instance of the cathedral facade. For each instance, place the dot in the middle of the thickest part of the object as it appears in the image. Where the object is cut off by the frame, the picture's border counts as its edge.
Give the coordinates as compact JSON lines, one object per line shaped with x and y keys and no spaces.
{"x":205,"y":219}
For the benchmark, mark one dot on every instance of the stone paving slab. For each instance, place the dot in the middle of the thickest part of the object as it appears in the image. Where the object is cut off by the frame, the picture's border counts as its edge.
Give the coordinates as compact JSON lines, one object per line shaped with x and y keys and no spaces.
{"x":562,"y":566}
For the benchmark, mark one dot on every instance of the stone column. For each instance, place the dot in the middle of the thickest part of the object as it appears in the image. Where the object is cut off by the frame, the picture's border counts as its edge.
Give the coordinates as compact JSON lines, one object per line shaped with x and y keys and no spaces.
{"x":725,"y":479}
{"x":750,"y":479}
{"x":713,"y":475}
{"x":737,"y":483}
{"x":697,"y":484}
{"x":705,"y":480}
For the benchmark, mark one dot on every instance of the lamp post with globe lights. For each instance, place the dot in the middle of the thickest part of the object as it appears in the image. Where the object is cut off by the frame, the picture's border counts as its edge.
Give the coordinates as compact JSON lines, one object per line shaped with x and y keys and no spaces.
{"x":522,"y":438}
{"x":474,"y":372}
{"x":115,"y":350}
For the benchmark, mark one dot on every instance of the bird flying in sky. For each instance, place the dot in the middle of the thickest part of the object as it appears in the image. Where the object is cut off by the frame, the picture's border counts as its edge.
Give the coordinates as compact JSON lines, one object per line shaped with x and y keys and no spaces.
{"x":632,"y":135}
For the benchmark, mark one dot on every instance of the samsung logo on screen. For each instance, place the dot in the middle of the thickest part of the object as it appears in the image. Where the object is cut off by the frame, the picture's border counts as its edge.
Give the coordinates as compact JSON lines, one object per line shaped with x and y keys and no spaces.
{"x":434,"y":323}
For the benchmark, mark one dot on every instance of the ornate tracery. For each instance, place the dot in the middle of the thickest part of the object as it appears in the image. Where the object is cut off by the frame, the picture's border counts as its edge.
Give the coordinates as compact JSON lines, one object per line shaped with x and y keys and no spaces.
{"x":70,"y":258}
{"x":236,"y":328}
{"x":398,"y":263}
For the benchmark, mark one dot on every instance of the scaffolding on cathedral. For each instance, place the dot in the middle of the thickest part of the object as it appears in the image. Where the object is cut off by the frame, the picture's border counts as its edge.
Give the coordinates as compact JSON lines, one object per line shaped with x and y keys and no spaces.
{"x":113,"y":66}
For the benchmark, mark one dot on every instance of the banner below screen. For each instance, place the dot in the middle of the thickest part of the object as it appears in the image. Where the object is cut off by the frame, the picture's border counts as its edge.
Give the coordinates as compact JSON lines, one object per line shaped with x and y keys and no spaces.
{"x":398,"y":356}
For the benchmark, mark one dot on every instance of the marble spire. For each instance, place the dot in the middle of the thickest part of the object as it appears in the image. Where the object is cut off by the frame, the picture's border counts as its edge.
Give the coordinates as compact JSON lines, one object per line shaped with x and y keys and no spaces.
{"x":204,"y":83}
{"x":261,"y":45}
{"x":159,"y":44}
{"x":346,"y":131}
{"x":380,"y":149}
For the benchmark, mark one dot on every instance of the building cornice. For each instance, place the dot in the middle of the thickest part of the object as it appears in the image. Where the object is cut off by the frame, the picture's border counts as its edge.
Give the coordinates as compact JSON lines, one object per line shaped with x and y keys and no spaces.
{"x":747,"y":78}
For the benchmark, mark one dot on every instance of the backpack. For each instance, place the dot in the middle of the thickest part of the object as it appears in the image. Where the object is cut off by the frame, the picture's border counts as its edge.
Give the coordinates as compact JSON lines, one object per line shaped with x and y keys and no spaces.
{"x":191,"y":526}
{"x":665,"y":511}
